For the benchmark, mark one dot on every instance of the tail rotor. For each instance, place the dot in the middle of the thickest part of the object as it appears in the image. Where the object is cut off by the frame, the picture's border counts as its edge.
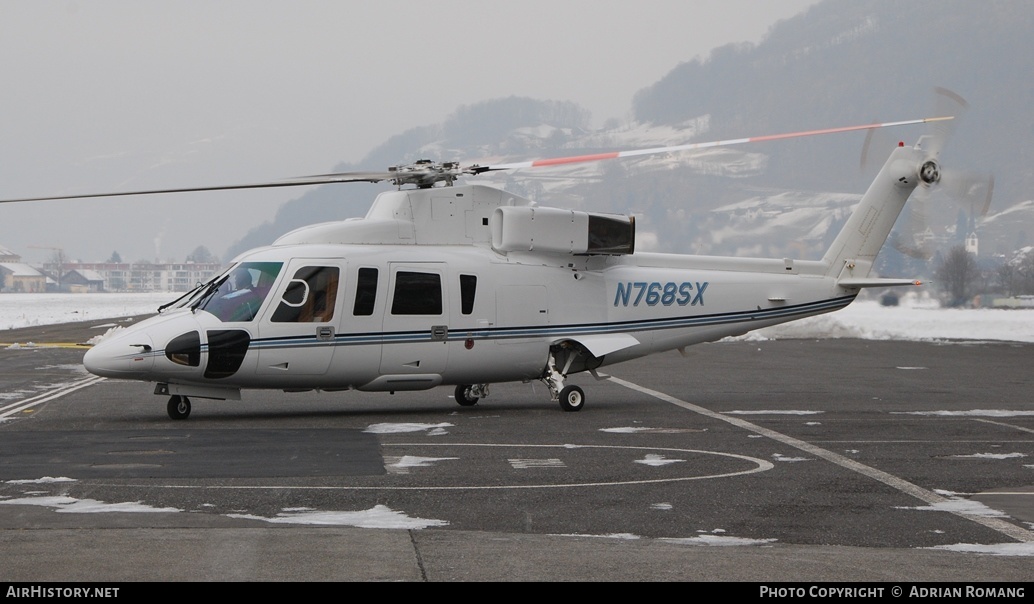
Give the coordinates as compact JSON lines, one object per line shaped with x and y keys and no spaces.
{"x":971,"y":191}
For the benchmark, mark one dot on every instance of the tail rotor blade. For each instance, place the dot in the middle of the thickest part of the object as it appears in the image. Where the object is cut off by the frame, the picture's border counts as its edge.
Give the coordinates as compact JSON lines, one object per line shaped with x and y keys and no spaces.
{"x":946,"y":102}
{"x":970,"y":189}
{"x":914,"y":241}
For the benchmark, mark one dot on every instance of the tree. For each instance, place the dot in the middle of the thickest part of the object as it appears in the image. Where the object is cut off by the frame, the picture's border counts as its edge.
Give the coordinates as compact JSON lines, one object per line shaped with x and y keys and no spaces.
{"x":115,"y":258}
{"x":201,"y":255}
{"x":57,"y":262}
{"x":956,"y":275}
{"x":1025,"y":268}
{"x":1007,"y":278}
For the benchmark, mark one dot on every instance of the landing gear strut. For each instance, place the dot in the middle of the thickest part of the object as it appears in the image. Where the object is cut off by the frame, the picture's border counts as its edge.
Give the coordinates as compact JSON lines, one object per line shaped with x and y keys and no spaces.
{"x":179,"y":407}
{"x":570,"y":398}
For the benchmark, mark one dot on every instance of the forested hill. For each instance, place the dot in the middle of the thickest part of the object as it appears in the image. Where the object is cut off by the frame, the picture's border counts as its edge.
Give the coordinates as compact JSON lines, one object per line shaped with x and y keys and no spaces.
{"x":842,"y":62}
{"x":872,"y":59}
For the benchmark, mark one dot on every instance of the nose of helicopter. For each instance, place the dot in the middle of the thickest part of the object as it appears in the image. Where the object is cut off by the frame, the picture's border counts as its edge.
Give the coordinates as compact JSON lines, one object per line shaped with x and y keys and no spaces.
{"x":121,"y":357}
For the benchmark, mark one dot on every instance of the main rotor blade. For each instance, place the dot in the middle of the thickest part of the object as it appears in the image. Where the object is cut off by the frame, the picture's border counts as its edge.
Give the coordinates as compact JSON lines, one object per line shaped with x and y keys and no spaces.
{"x":302,"y":181}
{"x":427,"y":175}
{"x":575,"y":159}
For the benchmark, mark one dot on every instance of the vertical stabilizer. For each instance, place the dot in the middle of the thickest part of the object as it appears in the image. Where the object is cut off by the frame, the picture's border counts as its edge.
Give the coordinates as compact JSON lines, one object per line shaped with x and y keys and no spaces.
{"x":853,"y":252}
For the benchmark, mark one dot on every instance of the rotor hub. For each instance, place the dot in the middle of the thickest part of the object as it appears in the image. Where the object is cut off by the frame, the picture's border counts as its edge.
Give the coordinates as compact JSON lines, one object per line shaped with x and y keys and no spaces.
{"x":930,"y":172}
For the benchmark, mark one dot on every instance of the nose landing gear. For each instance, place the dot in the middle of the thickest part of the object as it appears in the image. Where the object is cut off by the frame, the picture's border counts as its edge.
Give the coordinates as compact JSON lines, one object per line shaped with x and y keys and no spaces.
{"x":178,"y":407}
{"x":468,"y":395}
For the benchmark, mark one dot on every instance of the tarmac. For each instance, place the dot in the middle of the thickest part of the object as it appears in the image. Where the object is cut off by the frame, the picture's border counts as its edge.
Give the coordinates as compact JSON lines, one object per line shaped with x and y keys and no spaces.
{"x":889,"y":463}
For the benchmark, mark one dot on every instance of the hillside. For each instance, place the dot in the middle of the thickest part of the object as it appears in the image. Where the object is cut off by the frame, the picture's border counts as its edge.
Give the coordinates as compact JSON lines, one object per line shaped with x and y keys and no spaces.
{"x":839,"y":63}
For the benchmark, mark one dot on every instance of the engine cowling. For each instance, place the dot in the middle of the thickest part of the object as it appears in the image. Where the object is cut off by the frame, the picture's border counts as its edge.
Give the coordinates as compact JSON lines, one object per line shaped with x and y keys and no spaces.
{"x":561,"y":231}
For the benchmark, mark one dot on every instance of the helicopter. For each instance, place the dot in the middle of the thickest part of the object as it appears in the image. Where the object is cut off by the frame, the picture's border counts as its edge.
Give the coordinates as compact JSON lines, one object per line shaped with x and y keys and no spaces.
{"x":468,"y":285}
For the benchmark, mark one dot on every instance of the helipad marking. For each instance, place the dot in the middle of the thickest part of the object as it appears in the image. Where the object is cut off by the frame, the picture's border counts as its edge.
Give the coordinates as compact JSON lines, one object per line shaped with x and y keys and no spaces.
{"x":9,"y":410}
{"x":1004,"y":425}
{"x":1006,"y":528}
{"x":400,"y":464}
{"x":524,"y":464}
{"x":760,"y":465}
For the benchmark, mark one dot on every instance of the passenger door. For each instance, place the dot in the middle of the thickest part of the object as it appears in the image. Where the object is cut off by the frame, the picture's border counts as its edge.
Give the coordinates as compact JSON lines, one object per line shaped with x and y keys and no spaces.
{"x":415,"y":320}
{"x":296,"y":334}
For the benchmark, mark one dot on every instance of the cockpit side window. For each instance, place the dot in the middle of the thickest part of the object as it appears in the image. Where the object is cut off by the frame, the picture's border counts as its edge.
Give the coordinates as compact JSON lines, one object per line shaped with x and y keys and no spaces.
{"x":240,"y":295}
{"x":310,"y":296}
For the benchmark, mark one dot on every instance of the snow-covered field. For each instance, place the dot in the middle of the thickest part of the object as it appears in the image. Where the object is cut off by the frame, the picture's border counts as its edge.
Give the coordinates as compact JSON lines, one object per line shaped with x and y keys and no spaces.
{"x":915,"y":319}
{"x":867,"y":320}
{"x":27,"y":310}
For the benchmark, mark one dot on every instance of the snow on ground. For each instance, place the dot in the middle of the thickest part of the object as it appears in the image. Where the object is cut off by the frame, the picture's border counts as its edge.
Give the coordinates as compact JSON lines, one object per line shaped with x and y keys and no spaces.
{"x":915,"y":319}
{"x":71,"y":505}
{"x":28,"y":310}
{"x":717,"y":540}
{"x":994,"y":549}
{"x":869,"y":320}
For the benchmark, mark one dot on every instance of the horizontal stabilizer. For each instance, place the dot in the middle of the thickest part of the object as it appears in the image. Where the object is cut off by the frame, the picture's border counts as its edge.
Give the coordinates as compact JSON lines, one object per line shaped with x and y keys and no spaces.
{"x":857,"y":283}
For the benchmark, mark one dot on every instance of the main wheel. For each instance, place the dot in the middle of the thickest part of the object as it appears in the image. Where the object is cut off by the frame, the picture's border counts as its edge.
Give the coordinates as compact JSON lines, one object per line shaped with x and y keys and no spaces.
{"x":179,"y":407}
{"x":463,"y":396}
{"x":572,"y":399}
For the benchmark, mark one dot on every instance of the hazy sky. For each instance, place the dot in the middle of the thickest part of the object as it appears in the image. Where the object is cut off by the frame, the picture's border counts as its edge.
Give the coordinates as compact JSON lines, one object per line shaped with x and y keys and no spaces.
{"x":121,"y":94}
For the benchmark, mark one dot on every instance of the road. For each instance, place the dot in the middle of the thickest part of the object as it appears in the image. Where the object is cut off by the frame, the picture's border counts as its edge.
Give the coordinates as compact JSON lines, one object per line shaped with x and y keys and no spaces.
{"x":831,"y":460}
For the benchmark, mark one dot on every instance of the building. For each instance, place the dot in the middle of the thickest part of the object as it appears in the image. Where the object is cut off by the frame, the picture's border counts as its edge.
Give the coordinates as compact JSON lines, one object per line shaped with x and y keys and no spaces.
{"x":15,"y":276}
{"x":973,"y":244}
{"x":7,"y":255}
{"x":22,"y":278}
{"x":82,"y":281}
{"x":79,"y":277}
{"x":146,"y":276}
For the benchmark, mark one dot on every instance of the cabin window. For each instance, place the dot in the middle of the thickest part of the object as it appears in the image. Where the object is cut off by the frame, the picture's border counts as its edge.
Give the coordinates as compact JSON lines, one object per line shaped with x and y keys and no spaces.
{"x":310,"y":296}
{"x":468,"y":288}
{"x":417,"y":294}
{"x":365,"y":292}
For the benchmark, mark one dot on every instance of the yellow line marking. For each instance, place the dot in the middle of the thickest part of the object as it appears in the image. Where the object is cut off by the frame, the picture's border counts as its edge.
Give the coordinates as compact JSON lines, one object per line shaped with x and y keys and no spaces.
{"x":28,"y":345}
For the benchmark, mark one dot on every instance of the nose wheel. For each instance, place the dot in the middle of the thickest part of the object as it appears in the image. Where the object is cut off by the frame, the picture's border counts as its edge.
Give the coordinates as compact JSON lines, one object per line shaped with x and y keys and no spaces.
{"x":469,"y":394}
{"x":179,"y":407}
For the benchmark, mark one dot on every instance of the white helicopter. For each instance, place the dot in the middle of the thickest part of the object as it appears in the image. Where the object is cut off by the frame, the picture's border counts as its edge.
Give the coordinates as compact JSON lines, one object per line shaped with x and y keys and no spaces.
{"x":469,"y":286}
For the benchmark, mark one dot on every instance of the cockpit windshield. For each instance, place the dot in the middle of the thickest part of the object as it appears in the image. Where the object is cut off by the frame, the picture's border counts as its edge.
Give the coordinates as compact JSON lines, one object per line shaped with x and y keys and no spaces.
{"x":238,"y":294}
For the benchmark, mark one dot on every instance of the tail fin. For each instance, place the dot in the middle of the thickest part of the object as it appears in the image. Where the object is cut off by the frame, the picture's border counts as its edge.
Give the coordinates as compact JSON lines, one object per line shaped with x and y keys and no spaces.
{"x":854,"y":250}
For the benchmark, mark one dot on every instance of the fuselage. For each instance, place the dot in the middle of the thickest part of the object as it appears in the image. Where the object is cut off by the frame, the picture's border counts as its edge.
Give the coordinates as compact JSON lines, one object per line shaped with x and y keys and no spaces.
{"x":406,"y":317}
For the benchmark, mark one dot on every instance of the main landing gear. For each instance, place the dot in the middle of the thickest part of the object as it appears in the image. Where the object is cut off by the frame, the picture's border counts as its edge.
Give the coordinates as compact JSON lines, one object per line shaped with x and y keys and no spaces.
{"x":179,"y":407}
{"x":571,"y":398}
